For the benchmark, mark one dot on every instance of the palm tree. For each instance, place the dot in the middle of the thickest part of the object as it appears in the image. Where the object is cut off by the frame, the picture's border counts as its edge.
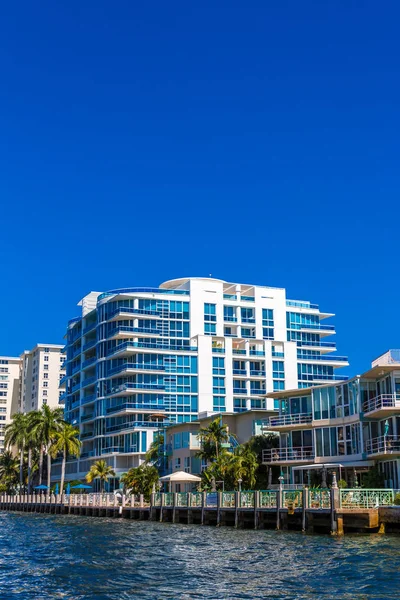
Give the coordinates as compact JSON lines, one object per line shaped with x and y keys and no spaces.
{"x":100,"y":470}
{"x":67,"y":442}
{"x":155,"y":454}
{"x":215,"y":434}
{"x":244,"y":466}
{"x":16,"y":434}
{"x":45,"y":423}
{"x":8,"y":469}
{"x":140,"y":480}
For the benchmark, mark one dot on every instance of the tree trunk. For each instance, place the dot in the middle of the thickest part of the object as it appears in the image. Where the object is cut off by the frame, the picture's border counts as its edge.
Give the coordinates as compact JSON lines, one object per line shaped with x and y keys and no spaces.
{"x":48,"y":468}
{"x":63,"y":471}
{"x":21,"y":469}
{"x":29,"y":469}
{"x":102,"y":486}
{"x":41,"y":465}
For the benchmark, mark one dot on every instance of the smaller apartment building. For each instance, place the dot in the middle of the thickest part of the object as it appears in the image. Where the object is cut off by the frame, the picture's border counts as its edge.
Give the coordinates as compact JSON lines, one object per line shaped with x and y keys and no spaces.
{"x":182,"y":444}
{"x":42,"y":373}
{"x":9,"y":392}
{"x":350,"y":426}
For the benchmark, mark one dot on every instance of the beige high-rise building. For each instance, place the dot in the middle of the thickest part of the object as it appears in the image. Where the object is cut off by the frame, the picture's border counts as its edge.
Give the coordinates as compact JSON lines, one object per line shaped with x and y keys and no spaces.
{"x":41,"y":372}
{"x":9,"y":391}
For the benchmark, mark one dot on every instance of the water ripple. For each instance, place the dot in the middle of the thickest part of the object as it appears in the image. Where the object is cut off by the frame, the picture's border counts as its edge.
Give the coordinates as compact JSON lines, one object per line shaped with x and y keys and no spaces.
{"x":77,"y":558}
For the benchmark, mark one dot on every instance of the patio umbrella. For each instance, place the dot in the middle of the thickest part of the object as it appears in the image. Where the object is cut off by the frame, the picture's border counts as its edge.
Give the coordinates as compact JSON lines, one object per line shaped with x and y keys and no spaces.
{"x":57,"y":490}
{"x":81,"y":486}
{"x":68,"y":490}
{"x":41,"y":487}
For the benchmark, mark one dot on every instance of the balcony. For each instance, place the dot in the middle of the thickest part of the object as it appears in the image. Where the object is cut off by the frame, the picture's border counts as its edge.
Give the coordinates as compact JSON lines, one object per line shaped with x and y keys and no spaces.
{"x":89,"y":345}
{"x":230,"y":297}
{"x":230,"y":319}
{"x":240,"y":391}
{"x":127,"y":310}
{"x":217,"y":349}
{"x":127,"y":347}
{"x":127,"y":406}
{"x":113,"y":450}
{"x":257,"y":353}
{"x":127,"y":387}
{"x":89,"y":327}
{"x":382,"y":406}
{"x":250,"y":320}
{"x":75,"y":369}
{"x":90,"y":398}
{"x":239,"y":372}
{"x":254,"y":373}
{"x":132,"y":425}
{"x":135,"y":367}
{"x":89,"y":381}
{"x":63,"y":380}
{"x":323,"y":357}
{"x":87,"y":435}
{"x":257,"y":392}
{"x":75,"y":387}
{"x":88,"y":362}
{"x":383,"y":446}
{"x":300,"y":421}
{"x":301,"y":304}
{"x":278,"y":354}
{"x":288,"y":455}
{"x":87,"y":417}
{"x":238,"y":351}
{"x":248,"y":298}
{"x":125,"y":330}
{"x":320,"y":327}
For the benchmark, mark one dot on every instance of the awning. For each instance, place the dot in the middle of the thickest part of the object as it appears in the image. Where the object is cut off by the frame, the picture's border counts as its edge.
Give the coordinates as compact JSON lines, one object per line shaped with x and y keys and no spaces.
{"x":350,"y":464}
{"x":181,"y":476}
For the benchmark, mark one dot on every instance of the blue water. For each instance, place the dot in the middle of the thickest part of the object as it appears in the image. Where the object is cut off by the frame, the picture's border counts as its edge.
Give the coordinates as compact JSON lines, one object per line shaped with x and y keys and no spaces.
{"x":46,"y":557}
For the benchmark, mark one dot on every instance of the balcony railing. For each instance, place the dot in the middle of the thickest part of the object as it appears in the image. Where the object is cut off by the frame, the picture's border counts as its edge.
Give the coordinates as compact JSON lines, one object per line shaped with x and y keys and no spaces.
{"x":323,"y":357}
{"x":87,"y":417}
{"x":385,"y":444}
{"x":124,"y":387}
{"x":230,"y":319}
{"x":312,"y":326}
{"x":280,"y":455}
{"x":256,"y":391}
{"x":88,"y":362}
{"x":240,"y":390}
{"x":89,"y":345}
{"x":254,"y":373}
{"x":239,"y":372}
{"x":300,"y":304}
{"x":127,"y":329}
{"x":257,"y":353}
{"x":89,"y":327}
{"x":136,"y":366}
{"x":134,"y":406}
{"x":384,"y":401}
{"x":288,"y":420}
{"x":87,"y":399}
{"x":159,"y":346}
{"x":248,"y":320}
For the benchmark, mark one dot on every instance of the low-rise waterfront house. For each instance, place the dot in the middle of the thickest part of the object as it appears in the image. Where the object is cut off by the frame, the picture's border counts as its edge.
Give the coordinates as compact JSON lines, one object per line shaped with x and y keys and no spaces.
{"x":350,"y":426}
{"x":182,"y":444}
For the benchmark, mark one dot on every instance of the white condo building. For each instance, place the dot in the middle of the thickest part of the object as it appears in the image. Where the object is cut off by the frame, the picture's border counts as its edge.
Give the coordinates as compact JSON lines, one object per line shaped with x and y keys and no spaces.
{"x":9,"y":392}
{"x":139,"y":358}
{"x":42,"y":370}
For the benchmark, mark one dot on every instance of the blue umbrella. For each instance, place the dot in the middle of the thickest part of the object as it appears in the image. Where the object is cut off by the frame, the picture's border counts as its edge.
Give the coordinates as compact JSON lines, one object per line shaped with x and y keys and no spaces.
{"x":81,"y":486}
{"x":41,"y":487}
{"x":56,"y":491}
{"x":68,"y":490}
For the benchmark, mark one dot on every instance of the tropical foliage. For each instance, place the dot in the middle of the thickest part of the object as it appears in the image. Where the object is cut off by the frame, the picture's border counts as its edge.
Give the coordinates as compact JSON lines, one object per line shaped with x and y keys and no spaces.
{"x":100,"y":470}
{"x":67,"y":443}
{"x":140,"y":480}
{"x":229,"y":466}
{"x":32,"y":436}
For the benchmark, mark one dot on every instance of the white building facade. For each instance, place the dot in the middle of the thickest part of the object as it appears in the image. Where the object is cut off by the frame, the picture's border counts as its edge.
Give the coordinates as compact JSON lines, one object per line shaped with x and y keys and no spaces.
{"x":9,"y":392}
{"x":139,"y":358}
{"x":42,"y":370}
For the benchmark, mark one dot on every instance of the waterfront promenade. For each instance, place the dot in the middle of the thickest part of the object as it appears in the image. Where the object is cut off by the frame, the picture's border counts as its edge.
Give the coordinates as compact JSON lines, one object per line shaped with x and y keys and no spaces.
{"x":313,"y":510}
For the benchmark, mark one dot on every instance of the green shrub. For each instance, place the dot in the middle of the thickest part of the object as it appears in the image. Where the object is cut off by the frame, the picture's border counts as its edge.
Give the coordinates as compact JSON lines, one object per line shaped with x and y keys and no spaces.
{"x":342,"y":484}
{"x":397,"y":499}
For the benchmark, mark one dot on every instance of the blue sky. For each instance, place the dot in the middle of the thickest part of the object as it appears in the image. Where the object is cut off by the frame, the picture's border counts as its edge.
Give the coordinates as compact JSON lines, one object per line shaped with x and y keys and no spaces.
{"x":255,"y":141}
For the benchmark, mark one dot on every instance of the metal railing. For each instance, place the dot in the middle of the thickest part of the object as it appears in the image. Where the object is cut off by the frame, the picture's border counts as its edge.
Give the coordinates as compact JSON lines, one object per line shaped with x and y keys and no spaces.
{"x":381,"y":402}
{"x":246,"y":499}
{"x":228,"y":499}
{"x":320,"y":498}
{"x":360,"y":498}
{"x":196,"y":499}
{"x":279,"y":455}
{"x":385,"y":444}
{"x":268,"y":499}
{"x":283,"y":420}
{"x":292,"y":499}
